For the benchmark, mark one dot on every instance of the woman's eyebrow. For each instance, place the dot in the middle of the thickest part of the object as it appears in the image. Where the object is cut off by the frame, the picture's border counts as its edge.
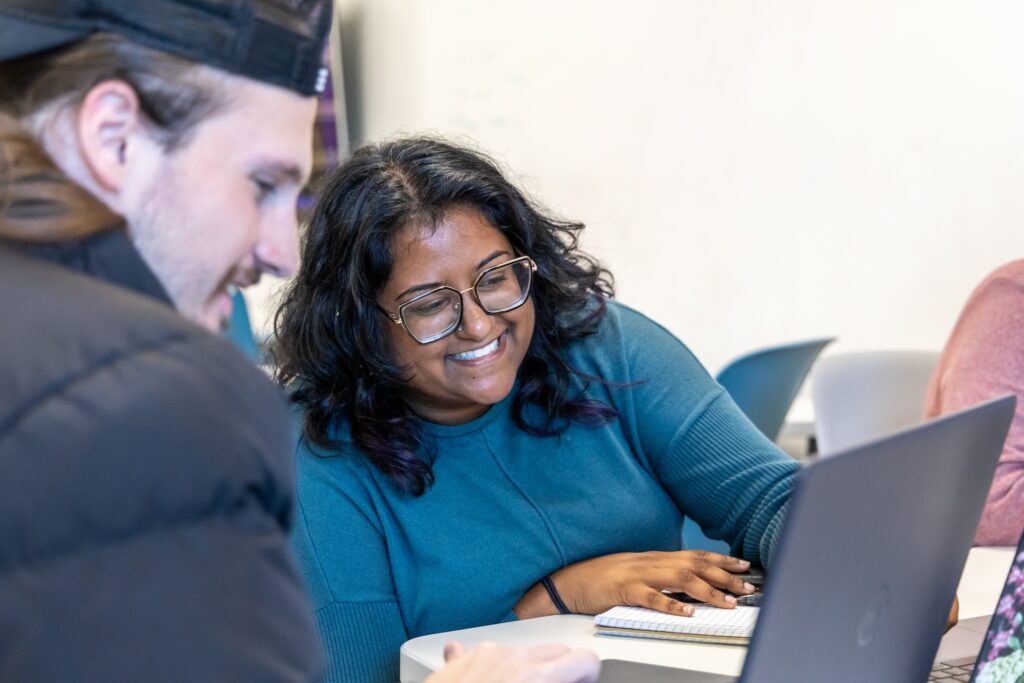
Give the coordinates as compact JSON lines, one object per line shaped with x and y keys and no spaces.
{"x":435,"y":285}
{"x":491,"y":258}
{"x":418,"y":288}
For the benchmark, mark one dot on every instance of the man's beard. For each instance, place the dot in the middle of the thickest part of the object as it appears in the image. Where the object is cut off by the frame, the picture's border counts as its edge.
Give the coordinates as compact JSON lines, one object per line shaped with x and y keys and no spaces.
{"x":159,"y":233}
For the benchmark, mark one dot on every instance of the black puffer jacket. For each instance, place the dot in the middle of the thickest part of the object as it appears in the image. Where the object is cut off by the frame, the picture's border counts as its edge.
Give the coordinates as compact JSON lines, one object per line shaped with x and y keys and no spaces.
{"x":145,"y":485}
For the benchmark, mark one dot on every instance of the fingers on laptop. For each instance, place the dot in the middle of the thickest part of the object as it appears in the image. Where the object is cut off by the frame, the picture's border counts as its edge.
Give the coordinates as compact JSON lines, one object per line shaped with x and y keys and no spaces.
{"x":595,"y":585}
{"x":652,"y":598}
{"x":703,"y":576}
{"x":711,"y":585}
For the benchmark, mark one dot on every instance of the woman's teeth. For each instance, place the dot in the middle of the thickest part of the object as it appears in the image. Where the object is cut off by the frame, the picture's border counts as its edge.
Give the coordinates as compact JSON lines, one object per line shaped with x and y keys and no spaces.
{"x":477,"y":353}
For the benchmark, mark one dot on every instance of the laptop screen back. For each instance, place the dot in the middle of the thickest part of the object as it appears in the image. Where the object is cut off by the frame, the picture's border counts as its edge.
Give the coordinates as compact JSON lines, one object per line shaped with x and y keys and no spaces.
{"x":872,"y":538}
{"x":1001,"y":659}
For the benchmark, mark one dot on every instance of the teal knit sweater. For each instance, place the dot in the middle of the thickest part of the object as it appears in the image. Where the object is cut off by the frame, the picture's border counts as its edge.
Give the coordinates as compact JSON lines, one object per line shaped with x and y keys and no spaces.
{"x":508,"y":508}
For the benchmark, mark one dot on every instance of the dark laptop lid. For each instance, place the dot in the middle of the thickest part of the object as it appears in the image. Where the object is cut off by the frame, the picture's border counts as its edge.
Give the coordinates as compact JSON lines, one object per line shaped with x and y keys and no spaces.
{"x":872,"y":550}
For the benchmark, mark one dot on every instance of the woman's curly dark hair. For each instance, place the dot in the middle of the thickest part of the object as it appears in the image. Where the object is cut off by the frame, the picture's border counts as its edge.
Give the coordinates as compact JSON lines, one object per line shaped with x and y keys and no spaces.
{"x":332,"y":346}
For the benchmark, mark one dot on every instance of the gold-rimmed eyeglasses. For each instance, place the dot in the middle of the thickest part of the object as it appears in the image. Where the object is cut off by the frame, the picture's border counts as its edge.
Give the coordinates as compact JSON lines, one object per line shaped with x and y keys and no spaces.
{"x":435,"y":314}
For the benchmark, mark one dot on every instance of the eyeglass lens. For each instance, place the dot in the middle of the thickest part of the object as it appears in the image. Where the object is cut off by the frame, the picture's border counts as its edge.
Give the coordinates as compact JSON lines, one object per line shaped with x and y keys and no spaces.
{"x":437,"y":314}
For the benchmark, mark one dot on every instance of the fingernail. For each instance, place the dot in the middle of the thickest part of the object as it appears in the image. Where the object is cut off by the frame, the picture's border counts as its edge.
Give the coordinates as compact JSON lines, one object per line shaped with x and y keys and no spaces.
{"x":688,"y":610}
{"x":730,"y":599}
{"x":749,"y":587}
{"x":744,"y":563}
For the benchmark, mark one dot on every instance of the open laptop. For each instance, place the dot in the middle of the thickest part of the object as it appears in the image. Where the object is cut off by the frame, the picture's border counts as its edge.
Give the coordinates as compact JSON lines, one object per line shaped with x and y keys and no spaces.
{"x":994,"y":654}
{"x":869,"y":558}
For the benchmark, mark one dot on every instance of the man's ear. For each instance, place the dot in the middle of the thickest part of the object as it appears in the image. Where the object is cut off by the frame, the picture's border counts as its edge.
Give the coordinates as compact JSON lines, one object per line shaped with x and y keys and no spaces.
{"x":107,"y":121}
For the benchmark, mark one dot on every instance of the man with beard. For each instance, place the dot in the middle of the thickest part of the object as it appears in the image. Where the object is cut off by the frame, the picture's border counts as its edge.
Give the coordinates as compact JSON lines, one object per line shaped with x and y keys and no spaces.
{"x":151,"y":154}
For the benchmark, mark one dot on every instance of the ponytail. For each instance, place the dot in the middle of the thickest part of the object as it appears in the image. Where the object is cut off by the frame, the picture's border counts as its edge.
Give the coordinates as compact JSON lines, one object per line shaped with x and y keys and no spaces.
{"x":38,"y":203}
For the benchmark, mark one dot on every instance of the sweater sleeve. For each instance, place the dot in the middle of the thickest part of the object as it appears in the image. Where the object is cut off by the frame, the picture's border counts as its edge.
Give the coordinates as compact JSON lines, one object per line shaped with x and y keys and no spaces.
{"x":344,"y":559}
{"x":983,"y":359}
{"x":718,"y":468}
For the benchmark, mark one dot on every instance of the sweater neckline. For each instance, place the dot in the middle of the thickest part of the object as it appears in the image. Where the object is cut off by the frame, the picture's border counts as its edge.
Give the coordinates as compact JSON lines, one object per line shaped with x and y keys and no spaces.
{"x":495,"y":412}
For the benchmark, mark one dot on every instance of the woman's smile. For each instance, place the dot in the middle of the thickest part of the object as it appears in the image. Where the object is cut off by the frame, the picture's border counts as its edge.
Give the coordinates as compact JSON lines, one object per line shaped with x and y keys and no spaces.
{"x":480,"y":355}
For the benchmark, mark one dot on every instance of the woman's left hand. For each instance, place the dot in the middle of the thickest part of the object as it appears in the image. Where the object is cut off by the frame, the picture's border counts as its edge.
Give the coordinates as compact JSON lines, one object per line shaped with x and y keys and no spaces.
{"x":595,"y":585}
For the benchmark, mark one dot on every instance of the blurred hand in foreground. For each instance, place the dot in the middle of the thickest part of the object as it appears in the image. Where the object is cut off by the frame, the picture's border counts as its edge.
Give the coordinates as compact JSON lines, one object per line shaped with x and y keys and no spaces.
{"x":496,"y":664}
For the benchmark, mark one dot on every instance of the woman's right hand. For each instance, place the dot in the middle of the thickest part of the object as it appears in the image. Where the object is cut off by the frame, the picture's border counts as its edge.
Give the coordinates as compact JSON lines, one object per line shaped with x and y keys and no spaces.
{"x":638,"y":579}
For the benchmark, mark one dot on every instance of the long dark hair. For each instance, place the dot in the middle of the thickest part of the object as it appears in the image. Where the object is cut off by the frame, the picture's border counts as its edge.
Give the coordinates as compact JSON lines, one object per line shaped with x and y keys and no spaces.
{"x":333,"y":350}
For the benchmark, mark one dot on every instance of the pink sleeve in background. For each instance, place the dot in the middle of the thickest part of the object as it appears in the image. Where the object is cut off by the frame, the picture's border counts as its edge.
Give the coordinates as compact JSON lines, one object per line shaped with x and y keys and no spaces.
{"x":984,"y":358}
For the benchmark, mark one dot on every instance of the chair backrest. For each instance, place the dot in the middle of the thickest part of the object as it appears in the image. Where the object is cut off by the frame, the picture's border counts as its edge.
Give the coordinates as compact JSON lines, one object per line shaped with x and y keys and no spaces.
{"x":240,"y":329}
{"x":859,"y":397}
{"x":765,"y":382}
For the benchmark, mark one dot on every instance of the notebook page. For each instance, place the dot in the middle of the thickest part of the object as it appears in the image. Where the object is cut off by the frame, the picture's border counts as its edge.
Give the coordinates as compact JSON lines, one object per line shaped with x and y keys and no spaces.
{"x":706,"y":620}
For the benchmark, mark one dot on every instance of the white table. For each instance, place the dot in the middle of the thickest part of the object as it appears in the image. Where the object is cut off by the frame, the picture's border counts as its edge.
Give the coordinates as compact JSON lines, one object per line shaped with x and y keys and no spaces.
{"x":979,"y":590}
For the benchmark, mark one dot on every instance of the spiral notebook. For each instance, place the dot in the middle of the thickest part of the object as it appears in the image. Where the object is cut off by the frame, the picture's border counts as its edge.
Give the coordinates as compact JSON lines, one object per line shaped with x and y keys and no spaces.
{"x":707,"y":625}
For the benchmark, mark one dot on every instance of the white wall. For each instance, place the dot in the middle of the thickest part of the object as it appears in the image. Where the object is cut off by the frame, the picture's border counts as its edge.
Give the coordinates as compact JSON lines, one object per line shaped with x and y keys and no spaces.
{"x":752,"y":172}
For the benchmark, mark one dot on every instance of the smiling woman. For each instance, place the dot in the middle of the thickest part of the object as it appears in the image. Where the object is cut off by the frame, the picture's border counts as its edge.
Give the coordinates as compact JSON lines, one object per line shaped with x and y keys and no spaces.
{"x":469,"y":394}
{"x":394,"y":223}
{"x":470,"y":352}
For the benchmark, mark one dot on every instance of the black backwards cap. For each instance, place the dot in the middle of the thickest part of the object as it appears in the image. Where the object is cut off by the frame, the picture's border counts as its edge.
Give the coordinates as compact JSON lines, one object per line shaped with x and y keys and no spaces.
{"x":281,"y":44}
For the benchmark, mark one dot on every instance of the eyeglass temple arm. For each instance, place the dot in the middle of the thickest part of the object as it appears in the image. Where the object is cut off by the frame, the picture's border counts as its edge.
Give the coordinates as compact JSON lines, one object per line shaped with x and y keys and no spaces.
{"x":393,"y":317}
